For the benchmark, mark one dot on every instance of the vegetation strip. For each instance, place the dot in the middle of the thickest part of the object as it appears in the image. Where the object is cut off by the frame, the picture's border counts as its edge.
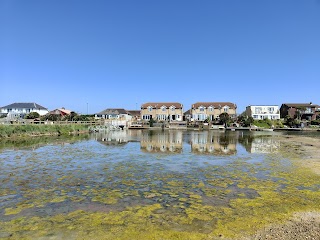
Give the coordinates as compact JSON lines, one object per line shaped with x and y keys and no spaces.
{"x":8,"y":131}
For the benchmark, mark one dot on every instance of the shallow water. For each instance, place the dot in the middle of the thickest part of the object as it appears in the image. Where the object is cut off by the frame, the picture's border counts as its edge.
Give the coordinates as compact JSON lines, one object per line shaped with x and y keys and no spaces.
{"x":151,"y":185}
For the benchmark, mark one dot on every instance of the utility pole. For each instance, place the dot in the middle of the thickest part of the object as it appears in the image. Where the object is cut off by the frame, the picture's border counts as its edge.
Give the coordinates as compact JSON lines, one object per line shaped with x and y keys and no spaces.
{"x":87,"y":108}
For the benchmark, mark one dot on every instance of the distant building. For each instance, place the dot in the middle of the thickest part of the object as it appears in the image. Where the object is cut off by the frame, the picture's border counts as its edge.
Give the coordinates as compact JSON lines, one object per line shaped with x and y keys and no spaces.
{"x":135,"y":114}
{"x":202,"y":111}
{"x":114,"y":114}
{"x":60,"y":112}
{"x":187,"y":115}
{"x":259,"y":112}
{"x":304,"y":111}
{"x":162,"y":111}
{"x":22,"y":109}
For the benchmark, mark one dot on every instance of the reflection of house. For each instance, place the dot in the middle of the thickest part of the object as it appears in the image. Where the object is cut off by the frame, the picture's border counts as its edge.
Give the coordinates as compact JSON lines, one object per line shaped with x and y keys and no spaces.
{"x":162,"y":111}
{"x":114,"y":114}
{"x":201,"y":111}
{"x":306,"y":111}
{"x":60,"y":112}
{"x":264,"y":145}
{"x":213,"y":143}
{"x":168,"y":141}
{"x":113,"y":137}
{"x":263,"y":111}
{"x":21,"y":109}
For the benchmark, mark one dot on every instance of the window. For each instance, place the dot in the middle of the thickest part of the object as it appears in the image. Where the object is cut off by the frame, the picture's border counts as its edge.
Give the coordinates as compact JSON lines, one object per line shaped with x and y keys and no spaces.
{"x":162,"y":117}
{"x":146,"y":117}
{"x":201,"y":108}
{"x":149,"y":108}
{"x":258,"y":110}
{"x":271,"y":109}
{"x":225,"y":109}
{"x":172,"y":108}
{"x":163,"y":108}
{"x":211,"y":109}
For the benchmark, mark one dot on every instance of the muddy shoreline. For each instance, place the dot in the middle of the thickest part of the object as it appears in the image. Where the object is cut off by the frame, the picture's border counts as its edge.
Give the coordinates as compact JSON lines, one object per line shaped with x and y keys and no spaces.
{"x":302,"y":225}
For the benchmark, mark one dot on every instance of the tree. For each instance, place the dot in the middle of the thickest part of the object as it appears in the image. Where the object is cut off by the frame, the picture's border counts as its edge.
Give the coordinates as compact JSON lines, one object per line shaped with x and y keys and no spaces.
{"x":249,"y":121}
{"x":289,"y":121}
{"x":151,"y":122}
{"x":52,"y":117}
{"x":298,"y":113}
{"x":32,"y":115}
{"x":224,"y":118}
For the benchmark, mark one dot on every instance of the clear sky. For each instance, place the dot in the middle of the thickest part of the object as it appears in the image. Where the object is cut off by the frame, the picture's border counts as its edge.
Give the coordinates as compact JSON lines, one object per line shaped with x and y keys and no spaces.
{"x":122,"y":53}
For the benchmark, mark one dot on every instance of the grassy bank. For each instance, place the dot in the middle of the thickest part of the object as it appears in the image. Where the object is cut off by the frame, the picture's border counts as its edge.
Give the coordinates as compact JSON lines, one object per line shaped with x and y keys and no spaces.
{"x":40,"y":130}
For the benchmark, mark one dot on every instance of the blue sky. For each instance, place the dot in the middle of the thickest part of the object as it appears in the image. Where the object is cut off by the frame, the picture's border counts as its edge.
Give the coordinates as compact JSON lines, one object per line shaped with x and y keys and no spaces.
{"x":124,"y":53}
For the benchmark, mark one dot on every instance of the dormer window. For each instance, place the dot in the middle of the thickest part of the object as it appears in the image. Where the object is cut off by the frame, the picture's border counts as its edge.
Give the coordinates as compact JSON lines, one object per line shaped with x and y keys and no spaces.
{"x":201,"y":108}
{"x":225,"y":109}
{"x":210,"y":109}
{"x":150,"y":109}
{"x":172,"y":108}
{"x":163,"y":108}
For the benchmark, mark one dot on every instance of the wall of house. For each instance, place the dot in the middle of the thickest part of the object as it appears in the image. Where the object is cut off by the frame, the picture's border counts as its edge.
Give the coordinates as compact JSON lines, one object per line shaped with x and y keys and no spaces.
{"x":263,"y":112}
{"x":162,"y":115}
{"x":211,"y":114}
{"x":25,"y":111}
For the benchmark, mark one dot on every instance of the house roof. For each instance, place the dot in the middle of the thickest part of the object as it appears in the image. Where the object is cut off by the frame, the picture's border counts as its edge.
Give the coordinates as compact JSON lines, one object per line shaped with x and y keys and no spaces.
{"x":25,"y":105}
{"x":112,"y":111}
{"x":301,"y":104}
{"x":160,"y":104}
{"x":134,"y":112}
{"x":66,"y":111}
{"x":214,"y":104}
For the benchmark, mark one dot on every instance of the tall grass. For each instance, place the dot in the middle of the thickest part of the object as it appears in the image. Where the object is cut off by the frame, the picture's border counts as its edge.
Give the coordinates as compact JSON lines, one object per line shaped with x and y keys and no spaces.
{"x":32,"y":130}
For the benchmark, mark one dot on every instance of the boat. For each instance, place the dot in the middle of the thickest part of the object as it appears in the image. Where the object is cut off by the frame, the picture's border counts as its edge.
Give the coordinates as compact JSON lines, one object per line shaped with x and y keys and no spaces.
{"x":267,"y":129}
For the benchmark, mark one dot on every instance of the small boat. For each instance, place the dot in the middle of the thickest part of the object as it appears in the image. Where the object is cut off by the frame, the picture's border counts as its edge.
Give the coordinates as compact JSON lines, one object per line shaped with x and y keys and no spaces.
{"x":267,"y":129}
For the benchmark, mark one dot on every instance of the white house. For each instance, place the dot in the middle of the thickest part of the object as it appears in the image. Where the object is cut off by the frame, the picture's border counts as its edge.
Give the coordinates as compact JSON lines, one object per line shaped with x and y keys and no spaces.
{"x":114,"y":114}
{"x":258,"y":112}
{"x":21,"y":109}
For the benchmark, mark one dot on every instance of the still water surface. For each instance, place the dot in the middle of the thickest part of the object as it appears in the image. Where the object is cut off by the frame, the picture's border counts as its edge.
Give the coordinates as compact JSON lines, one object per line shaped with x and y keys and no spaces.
{"x":151,"y":185}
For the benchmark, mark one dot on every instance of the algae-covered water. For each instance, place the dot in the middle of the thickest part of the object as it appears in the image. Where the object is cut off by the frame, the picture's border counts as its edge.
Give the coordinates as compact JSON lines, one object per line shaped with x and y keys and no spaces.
{"x":152,"y":185}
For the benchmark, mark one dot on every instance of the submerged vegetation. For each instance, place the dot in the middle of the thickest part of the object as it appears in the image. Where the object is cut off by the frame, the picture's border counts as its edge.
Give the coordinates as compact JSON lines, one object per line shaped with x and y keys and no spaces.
{"x":89,"y":191}
{"x":43,"y":129}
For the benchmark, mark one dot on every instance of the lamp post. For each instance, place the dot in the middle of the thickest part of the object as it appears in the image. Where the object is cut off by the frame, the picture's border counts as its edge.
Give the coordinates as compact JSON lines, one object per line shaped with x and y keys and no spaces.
{"x":87,"y":108}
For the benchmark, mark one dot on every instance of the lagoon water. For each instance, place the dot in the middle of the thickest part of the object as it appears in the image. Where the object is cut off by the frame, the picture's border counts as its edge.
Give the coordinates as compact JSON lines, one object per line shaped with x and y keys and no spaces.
{"x":142,"y":184}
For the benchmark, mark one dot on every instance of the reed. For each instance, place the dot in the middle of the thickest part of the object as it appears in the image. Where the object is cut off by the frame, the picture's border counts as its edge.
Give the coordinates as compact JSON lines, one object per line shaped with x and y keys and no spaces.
{"x":38,"y":130}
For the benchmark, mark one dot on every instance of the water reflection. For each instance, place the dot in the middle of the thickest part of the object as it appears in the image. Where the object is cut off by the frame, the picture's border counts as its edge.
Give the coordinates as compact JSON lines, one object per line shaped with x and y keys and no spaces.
{"x":212,"y":142}
{"x":200,"y":142}
{"x":161,"y":141}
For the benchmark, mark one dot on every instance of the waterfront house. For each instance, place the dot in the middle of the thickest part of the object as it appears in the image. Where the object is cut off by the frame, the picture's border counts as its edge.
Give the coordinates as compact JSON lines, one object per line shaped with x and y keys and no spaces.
{"x":114,"y":114}
{"x":201,"y":111}
{"x":162,"y":111}
{"x":258,"y":112}
{"x":303,"y":111}
{"x":19,"y":110}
